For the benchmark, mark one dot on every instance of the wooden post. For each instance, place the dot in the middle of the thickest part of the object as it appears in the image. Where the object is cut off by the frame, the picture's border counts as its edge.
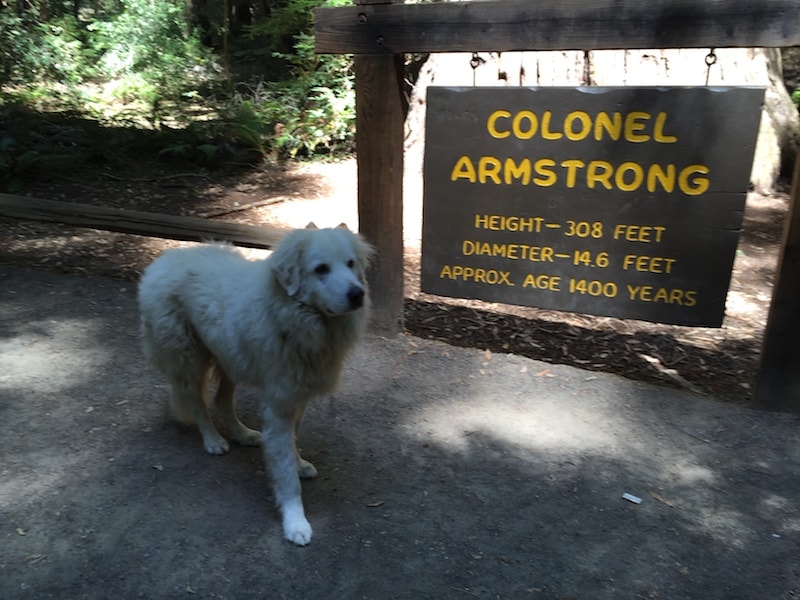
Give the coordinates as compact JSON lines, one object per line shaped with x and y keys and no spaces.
{"x":778,"y":385}
{"x":380,"y":116}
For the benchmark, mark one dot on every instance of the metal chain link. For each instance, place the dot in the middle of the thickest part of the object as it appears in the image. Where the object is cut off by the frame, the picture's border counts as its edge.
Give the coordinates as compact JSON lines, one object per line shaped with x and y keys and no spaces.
{"x":475,"y":62}
{"x":711,"y":59}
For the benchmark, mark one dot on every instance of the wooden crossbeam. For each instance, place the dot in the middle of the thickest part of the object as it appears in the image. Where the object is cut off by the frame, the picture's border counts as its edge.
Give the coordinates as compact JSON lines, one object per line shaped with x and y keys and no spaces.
{"x":507,"y":25}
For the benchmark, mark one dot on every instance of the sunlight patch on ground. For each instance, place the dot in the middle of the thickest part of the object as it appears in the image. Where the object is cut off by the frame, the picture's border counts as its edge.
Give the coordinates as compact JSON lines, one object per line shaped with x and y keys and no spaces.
{"x":516,"y":426}
{"x":46,"y":470}
{"x":689,"y":473}
{"x":35,"y":358}
{"x":740,"y":305}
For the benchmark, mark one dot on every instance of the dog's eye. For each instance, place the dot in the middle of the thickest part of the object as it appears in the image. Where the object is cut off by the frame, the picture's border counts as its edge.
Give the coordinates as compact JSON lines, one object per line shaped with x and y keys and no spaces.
{"x":322,"y":269}
{"x":351,"y":263}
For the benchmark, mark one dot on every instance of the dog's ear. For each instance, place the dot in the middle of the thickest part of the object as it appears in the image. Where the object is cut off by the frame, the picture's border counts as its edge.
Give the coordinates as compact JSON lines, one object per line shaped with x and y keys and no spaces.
{"x":343,"y":226}
{"x":311,"y":225}
{"x":286,"y":260}
{"x":288,"y":275}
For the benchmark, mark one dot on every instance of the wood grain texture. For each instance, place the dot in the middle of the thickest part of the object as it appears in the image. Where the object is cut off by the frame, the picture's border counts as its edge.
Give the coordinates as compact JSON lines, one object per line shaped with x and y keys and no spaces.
{"x":137,"y":222}
{"x":779,"y":375}
{"x":380,"y":117}
{"x":507,"y":25}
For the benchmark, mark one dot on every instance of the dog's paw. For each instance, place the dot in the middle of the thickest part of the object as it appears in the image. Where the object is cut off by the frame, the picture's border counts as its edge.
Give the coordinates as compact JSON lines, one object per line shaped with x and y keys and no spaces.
{"x":297,"y":530}
{"x":247,"y":437}
{"x":305,"y":470}
{"x":216,"y":446}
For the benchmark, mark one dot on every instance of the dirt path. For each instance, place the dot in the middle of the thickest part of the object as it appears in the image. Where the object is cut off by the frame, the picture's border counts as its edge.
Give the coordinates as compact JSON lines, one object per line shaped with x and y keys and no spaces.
{"x":445,"y":473}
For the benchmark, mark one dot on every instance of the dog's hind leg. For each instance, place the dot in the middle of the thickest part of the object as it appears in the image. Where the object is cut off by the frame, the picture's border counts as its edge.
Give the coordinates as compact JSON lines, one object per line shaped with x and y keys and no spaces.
{"x":280,"y":454}
{"x":225,"y":401}
{"x":305,"y":469}
{"x":189,"y":374}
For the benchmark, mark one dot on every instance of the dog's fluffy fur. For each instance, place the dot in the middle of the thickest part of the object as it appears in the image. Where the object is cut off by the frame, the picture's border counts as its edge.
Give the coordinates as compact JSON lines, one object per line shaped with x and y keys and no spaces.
{"x":283,"y":324}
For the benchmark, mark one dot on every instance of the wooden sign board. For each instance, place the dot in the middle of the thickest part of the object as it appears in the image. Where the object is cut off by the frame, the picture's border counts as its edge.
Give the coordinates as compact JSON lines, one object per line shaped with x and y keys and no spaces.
{"x":626,"y":202}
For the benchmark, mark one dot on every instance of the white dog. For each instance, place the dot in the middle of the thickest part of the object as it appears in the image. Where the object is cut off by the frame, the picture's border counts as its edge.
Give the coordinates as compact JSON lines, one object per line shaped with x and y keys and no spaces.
{"x":283,"y":324}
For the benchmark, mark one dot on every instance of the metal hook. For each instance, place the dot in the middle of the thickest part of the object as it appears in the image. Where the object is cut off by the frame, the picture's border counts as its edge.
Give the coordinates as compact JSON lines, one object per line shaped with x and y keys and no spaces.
{"x":475,"y":62}
{"x":711,"y":59}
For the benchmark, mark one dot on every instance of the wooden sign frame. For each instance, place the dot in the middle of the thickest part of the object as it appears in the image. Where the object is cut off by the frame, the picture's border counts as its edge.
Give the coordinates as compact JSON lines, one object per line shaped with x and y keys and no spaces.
{"x":378,"y":32}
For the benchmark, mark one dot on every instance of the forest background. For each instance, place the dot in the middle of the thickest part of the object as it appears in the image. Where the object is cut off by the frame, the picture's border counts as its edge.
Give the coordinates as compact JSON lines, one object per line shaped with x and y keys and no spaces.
{"x":215,"y":82}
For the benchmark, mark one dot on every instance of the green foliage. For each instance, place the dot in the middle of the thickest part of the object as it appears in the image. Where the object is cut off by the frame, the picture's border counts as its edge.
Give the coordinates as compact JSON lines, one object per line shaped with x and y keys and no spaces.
{"x":30,"y":50}
{"x":151,"y":39}
{"x":167,"y":65}
{"x":312,"y":110}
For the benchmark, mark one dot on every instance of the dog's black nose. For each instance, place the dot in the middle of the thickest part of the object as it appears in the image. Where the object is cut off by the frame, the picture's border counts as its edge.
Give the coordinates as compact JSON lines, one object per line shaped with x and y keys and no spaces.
{"x":355,"y":295}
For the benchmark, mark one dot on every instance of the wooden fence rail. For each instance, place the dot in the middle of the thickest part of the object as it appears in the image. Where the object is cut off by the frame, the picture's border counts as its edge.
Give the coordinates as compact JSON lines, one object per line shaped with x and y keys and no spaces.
{"x":193,"y":229}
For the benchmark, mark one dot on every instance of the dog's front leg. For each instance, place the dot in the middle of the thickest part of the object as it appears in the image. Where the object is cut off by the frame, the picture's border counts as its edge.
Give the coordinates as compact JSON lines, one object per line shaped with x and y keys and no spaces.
{"x":281,"y":456}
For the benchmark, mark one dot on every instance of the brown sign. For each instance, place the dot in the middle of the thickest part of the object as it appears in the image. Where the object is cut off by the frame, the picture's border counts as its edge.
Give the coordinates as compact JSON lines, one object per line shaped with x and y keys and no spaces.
{"x":625,"y":202}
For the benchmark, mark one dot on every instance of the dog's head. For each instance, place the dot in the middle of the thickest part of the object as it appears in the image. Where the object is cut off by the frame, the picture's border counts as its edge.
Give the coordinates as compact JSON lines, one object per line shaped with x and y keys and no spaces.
{"x":323,"y":268}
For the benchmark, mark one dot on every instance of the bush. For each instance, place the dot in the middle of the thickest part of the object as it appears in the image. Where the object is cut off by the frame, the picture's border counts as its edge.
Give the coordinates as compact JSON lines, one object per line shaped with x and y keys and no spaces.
{"x":151,"y":40}
{"x":141,"y":63}
{"x":312,"y":110}
{"x":31,"y":51}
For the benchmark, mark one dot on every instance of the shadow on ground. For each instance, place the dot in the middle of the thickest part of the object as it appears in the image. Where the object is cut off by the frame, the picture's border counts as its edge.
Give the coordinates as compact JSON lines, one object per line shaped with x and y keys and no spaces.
{"x":444,"y":473}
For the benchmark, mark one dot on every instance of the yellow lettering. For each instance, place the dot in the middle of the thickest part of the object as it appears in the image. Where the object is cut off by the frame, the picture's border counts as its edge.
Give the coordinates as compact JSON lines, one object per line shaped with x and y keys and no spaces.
{"x":512,"y":223}
{"x":658,"y":130}
{"x":648,"y":264}
{"x":491,"y":124}
{"x":572,"y":165}
{"x":521,"y":171}
{"x":464,"y":169}
{"x":543,"y":282}
{"x":693,"y":186}
{"x":533,"y":124}
{"x":543,"y":168}
{"x":635,"y":183}
{"x":578,"y":125}
{"x":584,"y":121}
{"x":628,"y":176}
{"x":489,"y":168}
{"x":604,"y":178}
{"x":634,"y":124}
{"x":546,"y":133}
{"x":646,"y":293}
{"x":545,"y":253}
{"x":657,"y":174}
{"x":639,"y":233}
{"x":612,"y":128}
